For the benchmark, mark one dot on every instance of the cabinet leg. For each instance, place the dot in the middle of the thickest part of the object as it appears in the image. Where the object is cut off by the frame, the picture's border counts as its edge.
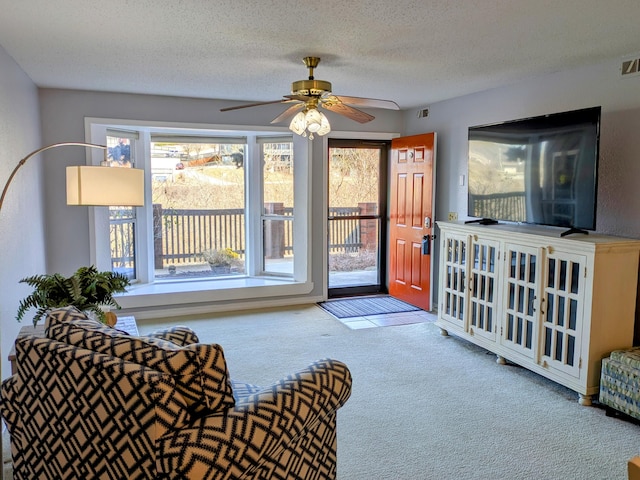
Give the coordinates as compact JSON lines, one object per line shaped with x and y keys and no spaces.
{"x":443,"y":332}
{"x":584,"y":400}
{"x":500,"y":360}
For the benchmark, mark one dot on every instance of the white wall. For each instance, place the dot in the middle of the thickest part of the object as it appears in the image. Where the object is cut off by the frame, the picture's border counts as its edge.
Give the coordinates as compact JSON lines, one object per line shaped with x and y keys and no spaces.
{"x":63,"y":113}
{"x":618,"y":211}
{"x":22,"y":250}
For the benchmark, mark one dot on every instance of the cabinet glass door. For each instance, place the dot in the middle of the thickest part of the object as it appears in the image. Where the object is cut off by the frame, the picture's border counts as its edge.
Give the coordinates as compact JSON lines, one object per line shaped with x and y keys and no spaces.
{"x":520,"y":320}
{"x":454,"y":285}
{"x":483,"y":288}
{"x":562,"y":328}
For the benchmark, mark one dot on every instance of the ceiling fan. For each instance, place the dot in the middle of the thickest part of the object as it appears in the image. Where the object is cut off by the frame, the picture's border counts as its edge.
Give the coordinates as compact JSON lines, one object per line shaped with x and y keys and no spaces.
{"x":307,"y":95}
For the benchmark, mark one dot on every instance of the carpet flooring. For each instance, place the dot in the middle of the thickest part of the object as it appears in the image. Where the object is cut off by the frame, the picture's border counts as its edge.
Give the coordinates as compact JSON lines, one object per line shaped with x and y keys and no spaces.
{"x":366,"y":306}
{"x":424,"y":406}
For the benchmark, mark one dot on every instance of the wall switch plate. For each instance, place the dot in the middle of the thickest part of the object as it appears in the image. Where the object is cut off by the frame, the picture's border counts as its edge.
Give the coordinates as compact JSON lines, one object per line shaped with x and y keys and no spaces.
{"x":453,"y":216}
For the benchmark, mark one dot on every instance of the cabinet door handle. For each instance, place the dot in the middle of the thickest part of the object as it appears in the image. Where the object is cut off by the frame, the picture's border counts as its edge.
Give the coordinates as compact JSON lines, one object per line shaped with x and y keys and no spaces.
{"x":533,"y":304}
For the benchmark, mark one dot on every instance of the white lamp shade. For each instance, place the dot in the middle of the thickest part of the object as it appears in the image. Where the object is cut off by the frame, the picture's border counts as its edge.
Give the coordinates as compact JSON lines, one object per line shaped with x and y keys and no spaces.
{"x":298,"y":124}
{"x":324,"y":125}
{"x":105,"y":186}
{"x":313,"y":120}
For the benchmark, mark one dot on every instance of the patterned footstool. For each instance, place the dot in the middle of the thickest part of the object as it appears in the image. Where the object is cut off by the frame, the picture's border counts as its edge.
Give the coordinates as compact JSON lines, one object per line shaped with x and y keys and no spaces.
{"x":620,"y":381}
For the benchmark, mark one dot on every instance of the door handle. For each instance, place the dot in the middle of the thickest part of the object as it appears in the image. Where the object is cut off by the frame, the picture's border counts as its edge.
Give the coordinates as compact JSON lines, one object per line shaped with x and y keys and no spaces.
{"x":426,"y":245}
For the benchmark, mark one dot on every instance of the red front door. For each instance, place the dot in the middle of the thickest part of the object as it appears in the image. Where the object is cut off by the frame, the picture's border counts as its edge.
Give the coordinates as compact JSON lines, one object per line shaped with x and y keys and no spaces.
{"x":411,"y":218}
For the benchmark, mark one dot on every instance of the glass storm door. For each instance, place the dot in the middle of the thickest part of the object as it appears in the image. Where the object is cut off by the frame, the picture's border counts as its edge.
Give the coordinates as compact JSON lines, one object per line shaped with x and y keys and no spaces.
{"x":357,"y":193}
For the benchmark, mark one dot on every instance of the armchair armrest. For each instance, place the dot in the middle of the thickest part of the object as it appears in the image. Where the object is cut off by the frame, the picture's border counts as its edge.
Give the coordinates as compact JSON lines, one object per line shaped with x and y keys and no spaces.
{"x":263,"y":428}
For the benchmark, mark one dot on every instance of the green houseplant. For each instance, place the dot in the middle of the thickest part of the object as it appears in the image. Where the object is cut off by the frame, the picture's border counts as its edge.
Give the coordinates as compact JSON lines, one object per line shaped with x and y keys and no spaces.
{"x":87,"y":289}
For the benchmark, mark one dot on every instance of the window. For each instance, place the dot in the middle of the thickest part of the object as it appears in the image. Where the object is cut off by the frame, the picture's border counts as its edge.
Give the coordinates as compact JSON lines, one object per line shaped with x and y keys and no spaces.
{"x":221,"y":208}
{"x":199,"y":208}
{"x":277,"y":212}
{"x":122,"y":220}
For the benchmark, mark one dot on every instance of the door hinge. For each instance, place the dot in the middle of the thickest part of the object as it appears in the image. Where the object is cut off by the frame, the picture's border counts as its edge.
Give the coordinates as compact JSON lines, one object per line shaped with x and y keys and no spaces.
{"x":580,"y":363}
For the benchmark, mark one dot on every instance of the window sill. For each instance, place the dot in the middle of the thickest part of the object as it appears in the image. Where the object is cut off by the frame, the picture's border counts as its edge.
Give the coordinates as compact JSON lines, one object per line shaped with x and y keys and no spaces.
{"x":201,"y":296}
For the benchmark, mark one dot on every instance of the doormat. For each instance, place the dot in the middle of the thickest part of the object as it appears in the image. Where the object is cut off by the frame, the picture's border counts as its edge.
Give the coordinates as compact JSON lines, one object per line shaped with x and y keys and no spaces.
{"x":366,"y":306}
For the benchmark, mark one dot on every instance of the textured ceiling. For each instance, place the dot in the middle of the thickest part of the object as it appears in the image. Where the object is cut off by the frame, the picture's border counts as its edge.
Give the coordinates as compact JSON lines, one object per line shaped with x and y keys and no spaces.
{"x":414,"y":52}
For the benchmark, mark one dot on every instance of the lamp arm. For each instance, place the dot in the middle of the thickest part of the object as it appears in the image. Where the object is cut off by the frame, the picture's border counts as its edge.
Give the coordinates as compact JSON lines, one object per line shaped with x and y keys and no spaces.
{"x":36,"y":152}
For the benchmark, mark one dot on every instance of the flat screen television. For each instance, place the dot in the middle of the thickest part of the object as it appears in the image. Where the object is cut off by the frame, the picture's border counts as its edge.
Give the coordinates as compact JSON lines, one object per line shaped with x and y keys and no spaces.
{"x":540,"y":170}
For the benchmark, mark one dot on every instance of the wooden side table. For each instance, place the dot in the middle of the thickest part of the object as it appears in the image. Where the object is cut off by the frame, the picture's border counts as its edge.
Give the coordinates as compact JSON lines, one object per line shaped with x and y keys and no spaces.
{"x":126,"y":324}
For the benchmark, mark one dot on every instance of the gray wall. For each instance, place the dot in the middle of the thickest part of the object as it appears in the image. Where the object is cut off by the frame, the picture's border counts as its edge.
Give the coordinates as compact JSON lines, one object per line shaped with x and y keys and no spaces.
{"x":22,"y":250}
{"x":618,"y":211}
{"x":63,"y":113}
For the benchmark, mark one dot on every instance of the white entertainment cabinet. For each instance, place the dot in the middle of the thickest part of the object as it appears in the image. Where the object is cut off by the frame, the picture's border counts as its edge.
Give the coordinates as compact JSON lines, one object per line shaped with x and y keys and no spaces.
{"x":554,"y":305}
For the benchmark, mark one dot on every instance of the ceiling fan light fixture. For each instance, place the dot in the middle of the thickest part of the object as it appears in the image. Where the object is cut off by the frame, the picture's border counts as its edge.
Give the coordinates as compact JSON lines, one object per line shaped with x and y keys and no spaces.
{"x":310,"y":94}
{"x":313,"y":119}
{"x":298,"y":124}
{"x":324,"y":125}
{"x":310,"y":121}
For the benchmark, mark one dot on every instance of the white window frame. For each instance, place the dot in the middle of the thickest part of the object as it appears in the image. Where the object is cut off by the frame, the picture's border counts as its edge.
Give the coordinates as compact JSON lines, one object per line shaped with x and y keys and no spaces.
{"x":260,"y":141}
{"x":147,"y":293}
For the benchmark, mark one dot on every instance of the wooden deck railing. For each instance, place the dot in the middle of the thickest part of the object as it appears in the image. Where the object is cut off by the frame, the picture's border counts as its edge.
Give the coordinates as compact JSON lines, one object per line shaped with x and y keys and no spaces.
{"x":181,"y":234}
{"x":503,"y":206}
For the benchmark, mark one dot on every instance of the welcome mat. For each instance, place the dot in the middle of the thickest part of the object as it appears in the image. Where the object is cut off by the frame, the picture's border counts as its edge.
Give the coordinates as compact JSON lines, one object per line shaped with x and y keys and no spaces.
{"x":366,"y":306}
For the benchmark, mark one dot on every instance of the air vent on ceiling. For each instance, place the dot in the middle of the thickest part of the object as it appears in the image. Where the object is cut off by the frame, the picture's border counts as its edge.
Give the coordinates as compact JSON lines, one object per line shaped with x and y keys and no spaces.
{"x":630,"y":67}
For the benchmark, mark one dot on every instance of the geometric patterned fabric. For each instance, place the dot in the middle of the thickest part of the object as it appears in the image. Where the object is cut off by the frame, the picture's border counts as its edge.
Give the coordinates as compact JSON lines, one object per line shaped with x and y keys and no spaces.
{"x":76,"y":413}
{"x":284,"y":431}
{"x":620,"y":381}
{"x":200,"y":371}
{"x":629,"y":357}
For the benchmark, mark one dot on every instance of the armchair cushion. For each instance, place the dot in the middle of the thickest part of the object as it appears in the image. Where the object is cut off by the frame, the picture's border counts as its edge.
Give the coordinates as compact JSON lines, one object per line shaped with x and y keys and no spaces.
{"x":75,"y":413}
{"x":199,"y":370}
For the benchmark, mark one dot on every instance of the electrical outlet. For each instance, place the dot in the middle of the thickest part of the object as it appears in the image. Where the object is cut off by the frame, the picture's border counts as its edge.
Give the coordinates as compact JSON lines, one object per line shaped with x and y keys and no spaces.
{"x":453,"y":216}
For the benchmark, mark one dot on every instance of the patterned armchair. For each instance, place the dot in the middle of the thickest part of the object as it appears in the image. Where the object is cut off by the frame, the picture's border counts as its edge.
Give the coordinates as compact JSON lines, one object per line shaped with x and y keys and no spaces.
{"x":90,"y":402}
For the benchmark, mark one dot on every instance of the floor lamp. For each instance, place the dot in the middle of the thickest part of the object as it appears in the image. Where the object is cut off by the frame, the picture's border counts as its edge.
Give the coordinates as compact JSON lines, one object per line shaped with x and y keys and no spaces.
{"x":91,"y":186}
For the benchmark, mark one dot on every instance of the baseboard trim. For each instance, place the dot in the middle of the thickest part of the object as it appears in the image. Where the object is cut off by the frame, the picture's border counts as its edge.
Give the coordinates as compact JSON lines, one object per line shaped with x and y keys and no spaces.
{"x":203,"y":309}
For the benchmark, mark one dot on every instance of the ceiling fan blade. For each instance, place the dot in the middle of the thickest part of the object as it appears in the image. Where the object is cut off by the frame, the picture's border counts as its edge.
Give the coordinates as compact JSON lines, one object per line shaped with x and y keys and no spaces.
{"x":288,"y":113}
{"x":368,"y":102}
{"x":248,"y":105}
{"x":301,"y":98}
{"x":347,"y":111}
